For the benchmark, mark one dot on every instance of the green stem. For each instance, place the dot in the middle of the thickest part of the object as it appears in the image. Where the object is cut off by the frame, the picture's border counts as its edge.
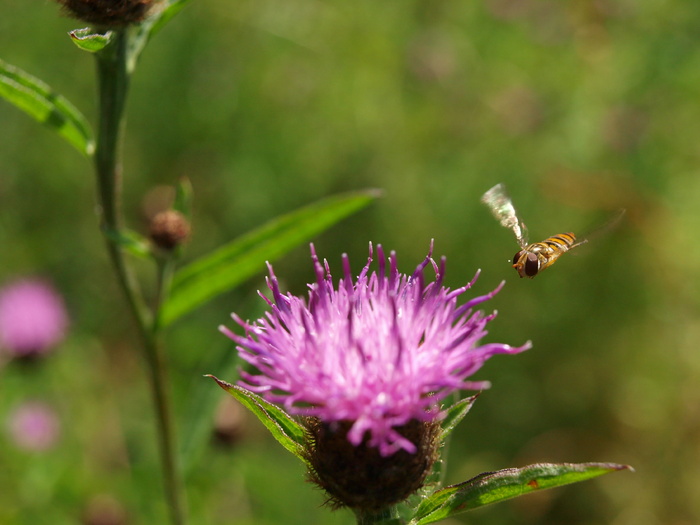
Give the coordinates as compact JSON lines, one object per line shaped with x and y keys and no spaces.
{"x":113,"y":78}
{"x":388,"y":516}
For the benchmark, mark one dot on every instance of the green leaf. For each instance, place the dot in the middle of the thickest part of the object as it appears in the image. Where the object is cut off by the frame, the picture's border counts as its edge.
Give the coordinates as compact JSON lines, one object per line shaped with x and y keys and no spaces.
{"x":172,"y":7}
{"x":130,"y":241}
{"x":288,"y":432}
{"x":87,"y":40}
{"x":492,"y":487}
{"x":239,"y":260}
{"x":455,"y":414}
{"x":35,"y":98}
{"x":183,"y":197}
{"x":144,"y":31}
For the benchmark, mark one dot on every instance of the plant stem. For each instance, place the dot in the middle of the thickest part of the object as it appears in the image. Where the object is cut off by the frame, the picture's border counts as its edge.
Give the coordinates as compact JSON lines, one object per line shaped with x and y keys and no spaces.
{"x":388,"y":516}
{"x":113,"y":79}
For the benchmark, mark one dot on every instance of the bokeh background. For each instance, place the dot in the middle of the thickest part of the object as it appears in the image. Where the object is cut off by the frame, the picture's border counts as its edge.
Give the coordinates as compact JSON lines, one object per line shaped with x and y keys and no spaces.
{"x":580,"y":108}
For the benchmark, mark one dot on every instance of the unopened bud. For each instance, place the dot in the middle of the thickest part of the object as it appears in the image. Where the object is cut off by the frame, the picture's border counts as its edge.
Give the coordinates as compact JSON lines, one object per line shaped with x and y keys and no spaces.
{"x":169,"y":229}
{"x":108,"y":13}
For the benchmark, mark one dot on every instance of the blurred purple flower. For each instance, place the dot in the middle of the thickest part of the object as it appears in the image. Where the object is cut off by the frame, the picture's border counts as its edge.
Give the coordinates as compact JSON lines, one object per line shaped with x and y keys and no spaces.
{"x":377,"y":352}
{"x":32,"y":317}
{"x":33,"y":426}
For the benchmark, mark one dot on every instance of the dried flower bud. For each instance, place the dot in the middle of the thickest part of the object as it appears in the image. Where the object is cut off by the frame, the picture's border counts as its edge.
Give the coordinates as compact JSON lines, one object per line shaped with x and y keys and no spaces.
{"x":108,"y":13}
{"x":169,"y":229}
{"x":103,"y":509}
{"x":360,"y":477}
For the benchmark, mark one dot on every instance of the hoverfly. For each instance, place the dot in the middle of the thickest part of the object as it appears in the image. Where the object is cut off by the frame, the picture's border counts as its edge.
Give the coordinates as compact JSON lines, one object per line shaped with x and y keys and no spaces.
{"x":531,"y":258}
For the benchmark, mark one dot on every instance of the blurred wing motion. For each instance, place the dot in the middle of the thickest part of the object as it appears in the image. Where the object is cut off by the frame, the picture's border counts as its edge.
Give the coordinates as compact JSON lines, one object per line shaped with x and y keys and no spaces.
{"x":533,"y":258}
{"x":608,"y":225}
{"x":502,"y":208}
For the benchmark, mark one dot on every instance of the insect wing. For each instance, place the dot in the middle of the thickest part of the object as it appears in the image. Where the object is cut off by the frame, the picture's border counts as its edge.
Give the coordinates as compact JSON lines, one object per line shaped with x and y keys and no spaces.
{"x":603,"y":229}
{"x":502,"y":208}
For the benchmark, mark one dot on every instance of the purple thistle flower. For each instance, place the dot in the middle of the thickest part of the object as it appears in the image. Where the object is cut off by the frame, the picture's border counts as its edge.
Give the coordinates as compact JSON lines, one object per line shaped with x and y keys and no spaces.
{"x":32,"y":317}
{"x":33,"y":426}
{"x":378,"y":352}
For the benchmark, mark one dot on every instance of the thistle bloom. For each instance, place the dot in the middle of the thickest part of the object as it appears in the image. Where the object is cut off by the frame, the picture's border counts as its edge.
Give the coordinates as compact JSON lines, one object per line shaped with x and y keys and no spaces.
{"x":374,"y":354}
{"x":32,"y":318}
{"x":33,"y":426}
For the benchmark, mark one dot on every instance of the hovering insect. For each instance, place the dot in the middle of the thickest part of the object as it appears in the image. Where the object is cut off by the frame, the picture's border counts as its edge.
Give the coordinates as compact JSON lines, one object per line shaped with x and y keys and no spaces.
{"x":531,"y":258}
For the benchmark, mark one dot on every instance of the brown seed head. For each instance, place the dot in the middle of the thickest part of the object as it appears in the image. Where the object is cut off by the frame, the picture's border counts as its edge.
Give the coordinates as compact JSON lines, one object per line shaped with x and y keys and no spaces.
{"x":169,"y":229}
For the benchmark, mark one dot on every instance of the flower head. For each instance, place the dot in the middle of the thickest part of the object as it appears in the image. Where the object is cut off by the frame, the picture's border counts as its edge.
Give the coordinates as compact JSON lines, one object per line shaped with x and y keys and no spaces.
{"x":33,"y":426}
{"x":32,"y":317}
{"x":367,"y":364}
{"x":378,"y":351}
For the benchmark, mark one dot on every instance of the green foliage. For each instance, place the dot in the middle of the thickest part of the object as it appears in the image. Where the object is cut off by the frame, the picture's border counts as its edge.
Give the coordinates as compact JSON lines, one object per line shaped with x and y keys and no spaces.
{"x":130,"y":241}
{"x":165,"y":13}
{"x":492,"y":487}
{"x":242,"y":258}
{"x":42,"y":103}
{"x":579,"y":108}
{"x":283,"y":428}
{"x":184,"y":193}
{"x":87,"y":40}
{"x":455,"y":413}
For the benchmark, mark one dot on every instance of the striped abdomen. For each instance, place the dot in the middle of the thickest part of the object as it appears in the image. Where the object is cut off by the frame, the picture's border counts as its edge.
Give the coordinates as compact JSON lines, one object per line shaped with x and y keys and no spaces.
{"x":537,"y":256}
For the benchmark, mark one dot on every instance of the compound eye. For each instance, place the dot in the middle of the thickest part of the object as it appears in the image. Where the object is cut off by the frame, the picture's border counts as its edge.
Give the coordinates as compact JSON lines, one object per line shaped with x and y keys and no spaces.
{"x":517,"y":257}
{"x":532,"y":265}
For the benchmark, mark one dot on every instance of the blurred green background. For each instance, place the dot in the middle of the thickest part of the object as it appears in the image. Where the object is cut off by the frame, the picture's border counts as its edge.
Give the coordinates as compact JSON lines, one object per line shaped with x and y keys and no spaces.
{"x":579,"y":107}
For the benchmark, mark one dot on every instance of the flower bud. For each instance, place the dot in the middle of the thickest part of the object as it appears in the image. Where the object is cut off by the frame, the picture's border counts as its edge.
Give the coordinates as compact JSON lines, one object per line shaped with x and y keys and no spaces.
{"x":359,"y":476}
{"x":108,"y":13}
{"x":103,"y":509}
{"x":169,"y":229}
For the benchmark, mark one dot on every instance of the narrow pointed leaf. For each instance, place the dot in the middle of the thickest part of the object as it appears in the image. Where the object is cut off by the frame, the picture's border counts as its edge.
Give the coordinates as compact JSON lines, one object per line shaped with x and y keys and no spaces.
{"x":492,"y":487}
{"x":241,"y":259}
{"x":149,"y":27}
{"x":39,"y":101}
{"x":87,"y":40}
{"x":283,"y":428}
{"x":130,"y":241}
{"x":172,"y":7}
{"x":183,"y":197}
{"x":455,"y":414}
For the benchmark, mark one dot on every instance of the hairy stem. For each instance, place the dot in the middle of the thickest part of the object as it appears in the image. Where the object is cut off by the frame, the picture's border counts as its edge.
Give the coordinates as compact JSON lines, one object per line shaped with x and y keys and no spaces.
{"x":113,"y":78}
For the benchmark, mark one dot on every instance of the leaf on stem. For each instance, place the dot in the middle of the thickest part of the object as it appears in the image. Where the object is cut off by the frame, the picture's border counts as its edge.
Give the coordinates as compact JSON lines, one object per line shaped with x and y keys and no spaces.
{"x":172,"y":7}
{"x":130,"y":241}
{"x":183,"y":197}
{"x":87,"y":40}
{"x":492,"y":487}
{"x":149,"y":27}
{"x":455,"y":414}
{"x":233,"y":263}
{"x":284,"y":429}
{"x":39,"y":101}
